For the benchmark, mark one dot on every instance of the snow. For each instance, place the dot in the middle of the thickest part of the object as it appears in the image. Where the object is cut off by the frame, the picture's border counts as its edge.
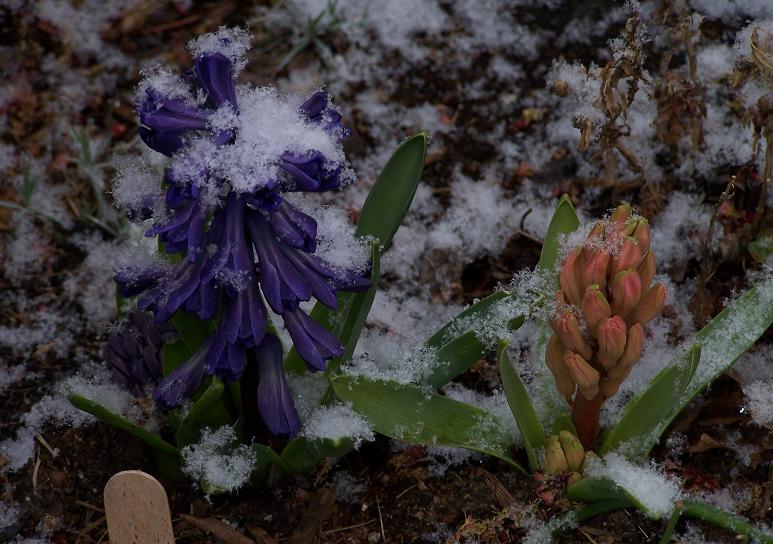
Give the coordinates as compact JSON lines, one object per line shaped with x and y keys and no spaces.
{"x":758,"y":399}
{"x":337,"y":422}
{"x":647,"y":484}
{"x":218,"y":461}
{"x":267,"y":126}
{"x":385,"y":357}
{"x":233,"y":43}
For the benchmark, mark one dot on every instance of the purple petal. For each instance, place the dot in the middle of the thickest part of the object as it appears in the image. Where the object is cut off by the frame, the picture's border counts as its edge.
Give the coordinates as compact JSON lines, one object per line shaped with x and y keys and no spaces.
{"x":275,"y":400}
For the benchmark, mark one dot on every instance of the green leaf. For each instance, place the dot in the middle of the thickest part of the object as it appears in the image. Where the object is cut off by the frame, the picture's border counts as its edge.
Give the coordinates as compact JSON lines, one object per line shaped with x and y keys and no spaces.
{"x":459,"y":353}
{"x":564,"y":221}
{"x":726,"y":520}
{"x":353,"y":316}
{"x":414,"y":414}
{"x":302,"y":455}
{"x":103,"y":414}
{"x":592,"y":490}
{"x":391,"y":196}
{"x":173,"y":355}
{"x":646,"y":412}
{"x":761,"y":248}
{"x":480,"y":309}
{"x":208,"y":410}
{"x":384,"y":209}
{"x":529,"y":424}
{"x":723,"y":340}
{"x":563,"y":423}
{"x":191,"y":330}
{"x":265,"y":459}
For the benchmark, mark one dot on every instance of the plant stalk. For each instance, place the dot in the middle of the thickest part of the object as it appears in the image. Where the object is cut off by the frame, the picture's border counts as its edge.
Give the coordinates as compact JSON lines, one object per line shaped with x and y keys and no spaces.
{"x":585,"y":415}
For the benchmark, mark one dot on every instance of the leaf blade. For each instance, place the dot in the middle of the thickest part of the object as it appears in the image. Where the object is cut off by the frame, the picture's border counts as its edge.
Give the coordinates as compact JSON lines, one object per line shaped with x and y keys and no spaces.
{"x":111,"y":418}
{"x":413,"y":414}
{"x":523,"y":410}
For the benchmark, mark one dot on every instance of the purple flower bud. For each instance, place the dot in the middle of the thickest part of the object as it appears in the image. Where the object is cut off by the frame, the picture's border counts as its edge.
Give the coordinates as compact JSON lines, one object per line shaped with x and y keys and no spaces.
{"x":133,"y":351}
{"x":183,"y":382}
{"x":275,"y":400}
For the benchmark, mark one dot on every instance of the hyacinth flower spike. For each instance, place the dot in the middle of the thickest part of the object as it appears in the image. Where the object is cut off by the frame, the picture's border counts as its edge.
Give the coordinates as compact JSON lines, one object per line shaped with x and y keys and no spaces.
{"x":608,"y":281}
{"x":239,"y":157}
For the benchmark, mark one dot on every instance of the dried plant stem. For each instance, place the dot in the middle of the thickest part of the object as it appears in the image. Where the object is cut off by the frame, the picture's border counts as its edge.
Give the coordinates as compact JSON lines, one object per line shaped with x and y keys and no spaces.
{"x":706,"y":268}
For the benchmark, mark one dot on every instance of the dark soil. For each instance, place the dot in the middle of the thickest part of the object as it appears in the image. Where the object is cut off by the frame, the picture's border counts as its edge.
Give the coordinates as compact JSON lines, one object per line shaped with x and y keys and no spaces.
{"x":402,"y":500}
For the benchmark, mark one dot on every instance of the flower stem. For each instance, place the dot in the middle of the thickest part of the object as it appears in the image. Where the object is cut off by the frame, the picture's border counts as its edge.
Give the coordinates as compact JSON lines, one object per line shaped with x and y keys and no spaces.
{"x":585,"y":415}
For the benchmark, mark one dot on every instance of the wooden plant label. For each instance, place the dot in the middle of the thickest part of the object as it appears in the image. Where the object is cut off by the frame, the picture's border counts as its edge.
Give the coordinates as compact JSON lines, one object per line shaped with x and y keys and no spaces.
{"x":137,"y":510}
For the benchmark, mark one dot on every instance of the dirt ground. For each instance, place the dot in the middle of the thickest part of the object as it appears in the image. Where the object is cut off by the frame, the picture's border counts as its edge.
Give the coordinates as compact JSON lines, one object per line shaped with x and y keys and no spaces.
{"x":378,"y":493}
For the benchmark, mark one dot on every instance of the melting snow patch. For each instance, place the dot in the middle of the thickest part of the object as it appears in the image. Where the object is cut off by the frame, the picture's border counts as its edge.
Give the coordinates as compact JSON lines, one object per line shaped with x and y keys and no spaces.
{"x":647,"y":484}
{"x":215,"y":460}
{"x":337,"y":422}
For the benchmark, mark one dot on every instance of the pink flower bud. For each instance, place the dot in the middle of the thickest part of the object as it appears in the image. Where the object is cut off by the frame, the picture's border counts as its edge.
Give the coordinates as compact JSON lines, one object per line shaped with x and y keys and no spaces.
{"x":642,"y":234}
{"x":647,"y":270}
{"x":621,"y":214}
{"x":610,"y":334}
{"x":630,"y":257}
{"x":568,"y":278}
{"x":594,"y":306}
{"x":554,"y":357}
{"x":568,"y":331}
{"x":651,"y":304}
{"x":631,"y":354}
{"x":626,"y":292}
{"x":584,"y":375}
{"x":594,"y":268}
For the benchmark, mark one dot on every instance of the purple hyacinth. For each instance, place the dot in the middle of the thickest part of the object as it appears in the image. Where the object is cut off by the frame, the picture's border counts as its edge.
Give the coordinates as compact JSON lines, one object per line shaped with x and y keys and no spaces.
{"x":238,"y":154}
{"x":133,"y":351}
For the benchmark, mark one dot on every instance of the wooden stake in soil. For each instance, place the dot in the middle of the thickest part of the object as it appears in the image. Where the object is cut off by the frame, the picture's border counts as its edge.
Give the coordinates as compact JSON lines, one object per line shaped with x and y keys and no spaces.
{"x":137,"y":509}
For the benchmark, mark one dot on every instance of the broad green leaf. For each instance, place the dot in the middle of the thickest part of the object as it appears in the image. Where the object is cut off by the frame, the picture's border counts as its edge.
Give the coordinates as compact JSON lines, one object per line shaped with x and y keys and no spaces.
{"x":564,"y":221}
{"x":191,"y":330}
{"x":646,"y":412}
{"x":723,"y":340}
{"x":413,"y":414}
{"x":391,"y":196}
{"x":480,"y":309}
{"x":721,"y":518}
{"x":208,"y":410}
{"x":102,"y":413}
{"x":592,"y":490}
{"x":455,"y":358}
{"x":761,"y":248}
{"x":563,"y":423}
{"x":265,"y":459}
{"x":457,"y":353}
{"x":460,"y":353}
{"x":173,"y":355}
{"x":302,"y":455}
{"x":529,"y":424}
